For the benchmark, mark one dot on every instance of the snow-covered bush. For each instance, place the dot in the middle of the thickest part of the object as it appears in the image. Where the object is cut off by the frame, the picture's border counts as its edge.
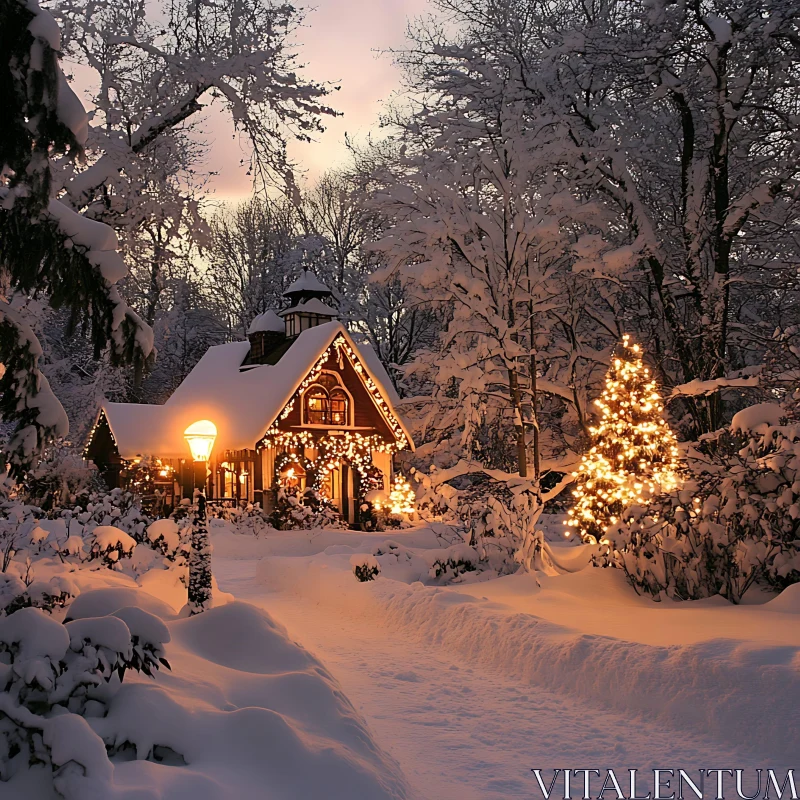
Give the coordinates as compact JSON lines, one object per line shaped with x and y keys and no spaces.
{"x":454,"y":562}
{"x":164,"y":535}
{"x":310,"y":511}
{"x":116,"y":507}
{"x":110,"y":544}
{"x":246,"y":517}
{"x":60,"y":480}
{"x":52,"y":675}
{"x":735,"y":521}
{"x":16,"y":594}
{"x":497,"y":512}
{"x":365,"y":567}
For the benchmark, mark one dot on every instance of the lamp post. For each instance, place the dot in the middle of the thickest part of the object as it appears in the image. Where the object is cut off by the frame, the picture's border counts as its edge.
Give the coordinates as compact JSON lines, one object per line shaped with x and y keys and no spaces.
{"x":200,"y":437}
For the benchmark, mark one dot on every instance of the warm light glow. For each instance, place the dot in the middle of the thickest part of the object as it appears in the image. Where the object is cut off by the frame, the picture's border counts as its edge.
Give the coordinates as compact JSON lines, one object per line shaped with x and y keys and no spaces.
{"x":201,"y":435}
{"x":402,"y":498}
{"x":634,"y":453}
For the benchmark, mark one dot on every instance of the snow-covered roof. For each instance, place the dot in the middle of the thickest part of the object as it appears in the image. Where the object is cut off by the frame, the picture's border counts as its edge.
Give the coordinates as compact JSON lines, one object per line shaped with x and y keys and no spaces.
{"x":269,"y":321}
{"x":313,"y":306}
{"x":241,"y":403}
{"x":307,"y":282}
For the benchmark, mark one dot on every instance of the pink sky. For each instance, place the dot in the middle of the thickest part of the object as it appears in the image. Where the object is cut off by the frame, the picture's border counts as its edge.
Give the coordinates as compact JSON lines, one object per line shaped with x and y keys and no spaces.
{"x":338,"y":44}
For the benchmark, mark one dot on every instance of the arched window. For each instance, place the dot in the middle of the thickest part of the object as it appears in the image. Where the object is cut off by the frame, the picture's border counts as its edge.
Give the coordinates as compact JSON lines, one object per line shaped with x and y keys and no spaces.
{"x":338,"y":408}
{"x":317,"y":405}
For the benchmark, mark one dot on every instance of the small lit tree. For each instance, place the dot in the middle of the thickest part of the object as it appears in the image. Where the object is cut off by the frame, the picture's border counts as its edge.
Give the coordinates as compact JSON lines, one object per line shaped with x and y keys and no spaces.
{"x":634,"y":453}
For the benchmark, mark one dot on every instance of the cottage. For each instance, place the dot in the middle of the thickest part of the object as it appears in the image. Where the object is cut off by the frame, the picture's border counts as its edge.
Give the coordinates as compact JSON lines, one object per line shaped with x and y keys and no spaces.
{"x":299,"y":405}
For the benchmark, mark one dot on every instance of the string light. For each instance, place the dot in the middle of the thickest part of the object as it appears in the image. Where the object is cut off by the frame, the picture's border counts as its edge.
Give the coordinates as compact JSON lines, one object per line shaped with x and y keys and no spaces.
{"x":634,"y":455}
{"x":402,"y":498}
{"x":101,"y":418}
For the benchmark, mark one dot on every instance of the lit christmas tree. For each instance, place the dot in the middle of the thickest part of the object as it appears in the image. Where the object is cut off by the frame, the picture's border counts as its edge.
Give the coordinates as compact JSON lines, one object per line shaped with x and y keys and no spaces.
{"x":634,"y":455}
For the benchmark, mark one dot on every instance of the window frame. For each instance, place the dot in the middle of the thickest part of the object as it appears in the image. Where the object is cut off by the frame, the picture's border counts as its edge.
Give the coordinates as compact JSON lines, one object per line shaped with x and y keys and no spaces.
{"x":319,"y":389}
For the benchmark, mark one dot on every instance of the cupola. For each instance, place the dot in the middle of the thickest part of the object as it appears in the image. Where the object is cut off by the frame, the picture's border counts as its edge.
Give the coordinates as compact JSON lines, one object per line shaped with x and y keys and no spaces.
{"x":310,"y":304}
{"x":266,"y":333}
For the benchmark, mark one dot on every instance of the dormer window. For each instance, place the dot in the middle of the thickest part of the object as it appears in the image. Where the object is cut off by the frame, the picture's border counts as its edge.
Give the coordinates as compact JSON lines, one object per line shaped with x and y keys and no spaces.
{"x":327,"y":402}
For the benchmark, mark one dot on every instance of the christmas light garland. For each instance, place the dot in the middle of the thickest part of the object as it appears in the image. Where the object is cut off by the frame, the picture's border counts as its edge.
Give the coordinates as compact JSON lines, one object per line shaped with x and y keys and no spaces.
{"x":274,"y":437}
{"x":635,"y":453}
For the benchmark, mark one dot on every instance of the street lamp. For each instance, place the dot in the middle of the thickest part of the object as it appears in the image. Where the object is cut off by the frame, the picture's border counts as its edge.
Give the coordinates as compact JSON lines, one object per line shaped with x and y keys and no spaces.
{"x":201,"y":436}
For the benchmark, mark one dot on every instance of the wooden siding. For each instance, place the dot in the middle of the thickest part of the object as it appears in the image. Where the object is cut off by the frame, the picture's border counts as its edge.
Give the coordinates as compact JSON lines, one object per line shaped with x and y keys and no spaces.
{"x":365,"y":415}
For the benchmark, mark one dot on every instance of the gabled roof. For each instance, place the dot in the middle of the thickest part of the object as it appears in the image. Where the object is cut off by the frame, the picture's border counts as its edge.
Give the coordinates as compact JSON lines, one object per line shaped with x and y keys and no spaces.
{"x":242,"y":403}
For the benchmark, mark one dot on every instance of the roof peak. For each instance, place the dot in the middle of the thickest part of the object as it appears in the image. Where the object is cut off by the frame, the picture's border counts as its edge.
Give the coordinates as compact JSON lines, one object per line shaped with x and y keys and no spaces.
{"x":307,"y":284}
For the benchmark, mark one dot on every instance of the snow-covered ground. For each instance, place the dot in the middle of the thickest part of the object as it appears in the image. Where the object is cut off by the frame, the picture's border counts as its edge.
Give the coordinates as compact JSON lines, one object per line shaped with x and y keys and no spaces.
{"x":470,"y":686}
{"x":302,"y":683}
{"x":244,"y":712}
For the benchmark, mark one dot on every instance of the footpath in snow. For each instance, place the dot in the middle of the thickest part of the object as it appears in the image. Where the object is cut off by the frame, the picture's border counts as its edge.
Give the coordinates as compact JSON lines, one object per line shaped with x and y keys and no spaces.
{"x":469,"y":688}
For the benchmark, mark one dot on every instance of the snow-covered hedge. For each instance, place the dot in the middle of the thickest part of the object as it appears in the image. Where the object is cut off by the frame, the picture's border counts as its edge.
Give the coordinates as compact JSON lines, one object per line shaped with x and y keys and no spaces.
{"x":734,"y":522}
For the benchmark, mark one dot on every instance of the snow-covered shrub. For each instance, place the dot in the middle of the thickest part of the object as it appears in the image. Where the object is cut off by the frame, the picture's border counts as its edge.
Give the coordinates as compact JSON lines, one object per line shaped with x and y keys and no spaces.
{"x":734,"y":522}
{"x":17,"y":523}
{"x":164,"y":536}
{"x":15,"y":594}
{"x":52,"y":675}
{"x":454,"y":562}
{"x":308,"y":512}
{"x":116,"y":507}
{"x":497,"y":512}
{"x":247,"y":518}
{"x":110,"y":544}
{"x":61,"y":479}
{"x":365,"y":567}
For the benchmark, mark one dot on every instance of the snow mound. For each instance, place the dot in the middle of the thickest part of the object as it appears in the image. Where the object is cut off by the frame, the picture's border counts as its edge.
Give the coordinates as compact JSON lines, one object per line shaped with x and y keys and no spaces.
{"x":102,"y":602}
{"x":788,"y":601}
{"x":244,"y":713}
{"x":241,"y":637}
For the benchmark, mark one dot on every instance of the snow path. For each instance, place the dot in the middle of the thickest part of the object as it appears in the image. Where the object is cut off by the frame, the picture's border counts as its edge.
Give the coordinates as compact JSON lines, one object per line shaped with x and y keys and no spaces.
{"x":458,"y":731}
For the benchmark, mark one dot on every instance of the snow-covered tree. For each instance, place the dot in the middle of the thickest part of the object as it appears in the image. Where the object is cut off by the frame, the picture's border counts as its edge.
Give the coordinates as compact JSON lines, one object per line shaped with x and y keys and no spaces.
{"x":45,"y":246}
{"x":678,"y":121}
{"x":473,"y":227}
{"x":633,"y":454}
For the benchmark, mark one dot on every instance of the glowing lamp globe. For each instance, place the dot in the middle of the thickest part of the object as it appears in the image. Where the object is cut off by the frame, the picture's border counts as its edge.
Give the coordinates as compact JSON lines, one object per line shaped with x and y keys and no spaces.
{"x":201,"y":435}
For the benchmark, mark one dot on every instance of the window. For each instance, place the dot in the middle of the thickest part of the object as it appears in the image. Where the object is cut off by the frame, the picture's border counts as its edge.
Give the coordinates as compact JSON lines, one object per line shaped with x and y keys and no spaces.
{"x":326,"y":402}
{"x":316,"y":405}
{"x":338,"y":407}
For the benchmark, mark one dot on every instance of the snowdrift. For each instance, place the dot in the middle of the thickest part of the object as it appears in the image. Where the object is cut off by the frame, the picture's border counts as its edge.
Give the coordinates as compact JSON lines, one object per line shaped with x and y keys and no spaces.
{"x":744,"y":692}
{"x":244,"y":713}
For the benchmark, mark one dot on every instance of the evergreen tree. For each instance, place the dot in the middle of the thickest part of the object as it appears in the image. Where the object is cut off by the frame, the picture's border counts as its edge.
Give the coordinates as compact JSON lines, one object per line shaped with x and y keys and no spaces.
{"x":634,"y":453}
{"x":45,"y":247}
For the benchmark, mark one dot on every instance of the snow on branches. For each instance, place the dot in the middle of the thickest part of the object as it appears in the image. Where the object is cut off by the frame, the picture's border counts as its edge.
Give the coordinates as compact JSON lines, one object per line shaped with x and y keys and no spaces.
{"x":735,"y":521}
{"x":45,"y":247}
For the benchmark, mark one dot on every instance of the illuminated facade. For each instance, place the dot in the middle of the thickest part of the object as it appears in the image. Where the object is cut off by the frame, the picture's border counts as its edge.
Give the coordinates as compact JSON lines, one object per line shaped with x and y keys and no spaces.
{"x":301,"y":407}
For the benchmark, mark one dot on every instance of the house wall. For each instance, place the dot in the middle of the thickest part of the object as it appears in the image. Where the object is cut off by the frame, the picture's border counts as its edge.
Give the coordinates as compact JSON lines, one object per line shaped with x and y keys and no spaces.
{"x":103,"y":452}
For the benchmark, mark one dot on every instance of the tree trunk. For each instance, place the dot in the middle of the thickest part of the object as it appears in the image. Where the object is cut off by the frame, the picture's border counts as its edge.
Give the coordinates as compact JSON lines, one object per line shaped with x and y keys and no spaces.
{"x":516,"y":402}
